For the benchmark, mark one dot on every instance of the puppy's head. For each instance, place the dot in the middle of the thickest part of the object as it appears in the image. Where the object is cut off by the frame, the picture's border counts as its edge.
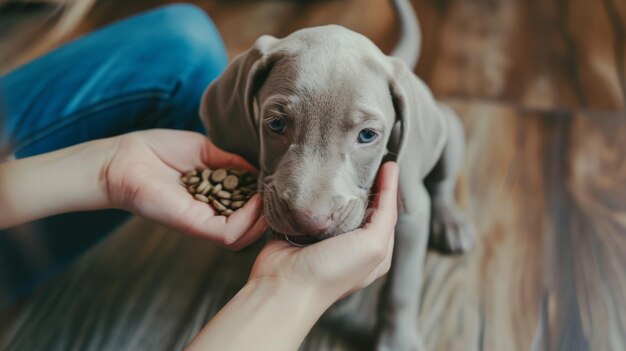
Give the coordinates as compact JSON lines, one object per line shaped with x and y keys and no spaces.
{"x":316,"y":111}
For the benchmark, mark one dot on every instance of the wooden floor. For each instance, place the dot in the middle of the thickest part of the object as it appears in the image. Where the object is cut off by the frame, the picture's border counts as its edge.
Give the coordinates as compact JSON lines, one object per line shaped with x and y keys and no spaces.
{"x":541,"y":89}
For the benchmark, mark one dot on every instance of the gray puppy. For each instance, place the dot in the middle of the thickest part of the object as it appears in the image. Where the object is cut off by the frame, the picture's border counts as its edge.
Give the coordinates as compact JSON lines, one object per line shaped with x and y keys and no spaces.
{"x":317,"y":112}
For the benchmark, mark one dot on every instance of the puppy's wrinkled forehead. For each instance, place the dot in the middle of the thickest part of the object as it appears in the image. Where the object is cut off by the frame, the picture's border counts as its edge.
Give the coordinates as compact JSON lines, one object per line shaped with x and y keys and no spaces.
{"x":329,"y":75}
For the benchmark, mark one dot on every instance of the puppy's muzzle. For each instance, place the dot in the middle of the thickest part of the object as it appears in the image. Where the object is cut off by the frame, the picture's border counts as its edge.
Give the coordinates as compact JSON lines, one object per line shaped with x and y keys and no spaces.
{"x":311,"y":222}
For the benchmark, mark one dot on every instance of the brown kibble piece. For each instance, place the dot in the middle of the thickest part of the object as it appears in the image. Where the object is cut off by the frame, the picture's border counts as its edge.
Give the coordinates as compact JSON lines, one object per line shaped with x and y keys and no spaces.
{"x":191,"y":174}
{"x":194,"y":180}
{"x":218,"y":206}
{"x":223,"y":194}
{"x":227,"y":212}
{"x":218,"y":175}
{"x":201,"y":197}
{"x":207,"y":190}
{"x":216,"y":189}
{"x":238,"y":197}
{"x":203,"y":186}
{"x":237,"y":204}
{"x":225,"y":202}
{"x":230,"y":182}
{"x":206,"y":173}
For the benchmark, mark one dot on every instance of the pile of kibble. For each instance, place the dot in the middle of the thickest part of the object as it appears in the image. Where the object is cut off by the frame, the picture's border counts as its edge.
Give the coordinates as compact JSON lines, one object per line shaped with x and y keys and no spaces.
{"x":226,"y":190}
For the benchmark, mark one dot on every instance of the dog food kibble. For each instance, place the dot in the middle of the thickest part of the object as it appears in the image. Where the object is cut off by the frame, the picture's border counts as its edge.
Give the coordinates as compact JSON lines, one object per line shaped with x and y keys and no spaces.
{"x":226,"y":190}
{"x":204,"y":187}
{"x":223,"y":194}
{"x":231,"y":182}
{"x":218,"y":206}
{"x":216,"y":189}
{"x":236,"y":204}
{"x":218,"y":175}
{"x":201,"y":197}
{"x":206,"y":173}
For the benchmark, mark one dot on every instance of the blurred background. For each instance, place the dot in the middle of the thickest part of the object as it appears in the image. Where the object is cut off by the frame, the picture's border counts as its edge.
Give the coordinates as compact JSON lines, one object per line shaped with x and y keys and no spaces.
{"x":536,"y":54}
{"x":540,"y":86}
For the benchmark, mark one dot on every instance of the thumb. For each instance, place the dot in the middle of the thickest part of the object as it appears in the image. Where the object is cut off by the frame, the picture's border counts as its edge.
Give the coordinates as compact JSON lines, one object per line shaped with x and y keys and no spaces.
{"x":215,"y":157}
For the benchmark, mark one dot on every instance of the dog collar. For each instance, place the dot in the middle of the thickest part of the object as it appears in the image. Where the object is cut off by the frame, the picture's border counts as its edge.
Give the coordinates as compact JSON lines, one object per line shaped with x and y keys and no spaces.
{"x":302,"y":241}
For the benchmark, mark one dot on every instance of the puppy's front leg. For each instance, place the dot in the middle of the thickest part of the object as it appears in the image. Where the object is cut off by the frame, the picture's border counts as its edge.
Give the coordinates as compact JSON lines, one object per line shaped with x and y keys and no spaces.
{"x":399,"y":304}
{"x":451,"y":229}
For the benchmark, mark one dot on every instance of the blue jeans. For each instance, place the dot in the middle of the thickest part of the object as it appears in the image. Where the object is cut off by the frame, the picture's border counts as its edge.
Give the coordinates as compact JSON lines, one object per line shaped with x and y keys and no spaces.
{"x":148,"y":71}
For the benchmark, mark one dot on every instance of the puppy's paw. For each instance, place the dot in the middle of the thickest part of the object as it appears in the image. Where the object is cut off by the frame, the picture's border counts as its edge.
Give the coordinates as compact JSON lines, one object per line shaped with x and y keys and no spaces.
{"x":399,"y":339}
{"x":451,"y":231}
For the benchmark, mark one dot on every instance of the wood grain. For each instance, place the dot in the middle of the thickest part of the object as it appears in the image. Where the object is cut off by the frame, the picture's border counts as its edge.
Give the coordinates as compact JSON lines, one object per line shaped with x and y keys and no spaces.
{"x":539,"y":54}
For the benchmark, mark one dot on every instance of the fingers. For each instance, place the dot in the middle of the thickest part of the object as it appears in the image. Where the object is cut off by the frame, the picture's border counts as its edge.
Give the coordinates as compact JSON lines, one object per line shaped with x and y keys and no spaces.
{"x":376,"y":237}
{"x":185,"y":150}
{"x":215,"y":157}
{"x":240,"y":228}
{"x":251,"y":235}
{"x":385,"y":211}
{"x":178,"y":149}
{"x":384,"y":265}
{"x":384,"y":217}
{"x":196,"y":218}
{"x":256,"y":230}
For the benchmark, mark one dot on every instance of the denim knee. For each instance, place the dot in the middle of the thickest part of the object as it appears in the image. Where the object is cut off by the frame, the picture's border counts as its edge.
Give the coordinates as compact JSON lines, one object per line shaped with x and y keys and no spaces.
{"x":186,"y":35}
{"x":188,"y":31}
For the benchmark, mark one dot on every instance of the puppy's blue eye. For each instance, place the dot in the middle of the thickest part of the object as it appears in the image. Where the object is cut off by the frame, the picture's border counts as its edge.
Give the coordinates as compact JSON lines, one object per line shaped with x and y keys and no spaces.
{"x":367,"y":135}
{"x":277,"y":125}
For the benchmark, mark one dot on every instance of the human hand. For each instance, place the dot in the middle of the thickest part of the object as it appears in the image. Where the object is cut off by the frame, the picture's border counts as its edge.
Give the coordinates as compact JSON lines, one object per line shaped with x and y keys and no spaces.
{"x":142,"y":176}
{"x":337,"y":266}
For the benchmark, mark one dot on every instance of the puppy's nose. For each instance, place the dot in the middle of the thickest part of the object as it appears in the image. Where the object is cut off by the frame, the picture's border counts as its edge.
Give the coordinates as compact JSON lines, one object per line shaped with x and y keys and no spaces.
{"x":309,"y":221}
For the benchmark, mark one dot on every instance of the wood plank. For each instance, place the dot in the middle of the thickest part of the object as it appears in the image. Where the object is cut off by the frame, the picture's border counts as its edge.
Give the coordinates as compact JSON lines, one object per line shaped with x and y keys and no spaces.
{"x":591,"y":244}
{"x":144,"y":288}
{"x":538,"y":54}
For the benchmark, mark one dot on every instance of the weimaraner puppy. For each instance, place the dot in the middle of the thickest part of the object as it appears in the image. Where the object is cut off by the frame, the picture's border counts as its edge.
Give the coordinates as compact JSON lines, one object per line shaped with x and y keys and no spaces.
{"x":318,"y":112}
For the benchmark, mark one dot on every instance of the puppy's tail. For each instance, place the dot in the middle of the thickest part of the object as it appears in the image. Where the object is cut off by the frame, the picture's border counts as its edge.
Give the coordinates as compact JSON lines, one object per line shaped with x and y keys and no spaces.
{"x":408,"y":47}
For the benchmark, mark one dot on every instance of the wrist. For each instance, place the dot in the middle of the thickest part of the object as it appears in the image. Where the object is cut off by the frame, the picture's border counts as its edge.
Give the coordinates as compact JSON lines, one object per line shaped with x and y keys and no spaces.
{"x":266,"y":314}
{"x":93,"y":162}
{"x":65,"y":180}
{"x":75,"y":176}
{"x":314,"y":299}
{"x":107,"y":149}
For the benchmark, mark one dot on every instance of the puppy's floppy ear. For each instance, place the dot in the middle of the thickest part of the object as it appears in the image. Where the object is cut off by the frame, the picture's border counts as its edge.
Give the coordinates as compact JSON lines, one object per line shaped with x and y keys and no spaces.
{"x":419,"y":131}
{"x":227,"y":107}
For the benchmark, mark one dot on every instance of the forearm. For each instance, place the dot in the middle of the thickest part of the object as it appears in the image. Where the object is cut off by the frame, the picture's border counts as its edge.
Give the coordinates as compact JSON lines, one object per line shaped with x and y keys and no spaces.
{"x":263,"y":316}
{"x":66,"y":180}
